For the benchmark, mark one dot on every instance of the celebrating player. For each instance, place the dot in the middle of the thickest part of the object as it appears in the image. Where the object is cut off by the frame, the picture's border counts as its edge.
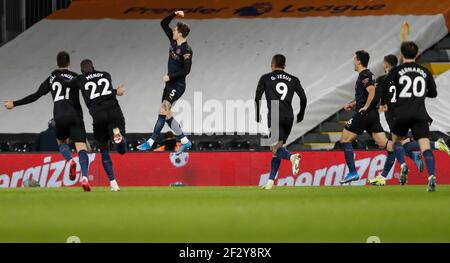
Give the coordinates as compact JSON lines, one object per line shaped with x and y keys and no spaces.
{"x":279,"y":87}
{"x":67,"y":114}
{"x":366,"y":118}
{"x":411,"y":84}
{"x":109,"y":123}
{"x":179,"y":66}
{"x":411,"y":147}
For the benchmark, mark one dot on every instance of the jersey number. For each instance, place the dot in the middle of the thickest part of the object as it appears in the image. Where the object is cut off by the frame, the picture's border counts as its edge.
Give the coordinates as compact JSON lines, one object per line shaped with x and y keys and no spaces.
{"x":282,"y":89}
{"x":417,"y":90}
{"x":93,"y":87}
{"x":393,"y":90}
{"x":56,"y":86}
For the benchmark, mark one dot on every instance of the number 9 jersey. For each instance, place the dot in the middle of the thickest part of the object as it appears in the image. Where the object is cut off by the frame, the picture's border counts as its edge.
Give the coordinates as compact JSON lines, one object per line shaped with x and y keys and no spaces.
{"x":280,"y":86}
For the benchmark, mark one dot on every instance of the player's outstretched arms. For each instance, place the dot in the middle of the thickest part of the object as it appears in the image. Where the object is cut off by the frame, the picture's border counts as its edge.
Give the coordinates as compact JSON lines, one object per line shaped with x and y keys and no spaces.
{"x":9,"y":104}
{"x":43,"y":90}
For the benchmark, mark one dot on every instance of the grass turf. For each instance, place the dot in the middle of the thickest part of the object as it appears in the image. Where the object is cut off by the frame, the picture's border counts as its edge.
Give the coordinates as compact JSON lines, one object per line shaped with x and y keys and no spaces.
{"x":226,"y":214}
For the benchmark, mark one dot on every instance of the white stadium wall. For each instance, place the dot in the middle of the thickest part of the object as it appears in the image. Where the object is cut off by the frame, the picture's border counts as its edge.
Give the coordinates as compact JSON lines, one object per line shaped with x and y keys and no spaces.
{"x":439,"y":108}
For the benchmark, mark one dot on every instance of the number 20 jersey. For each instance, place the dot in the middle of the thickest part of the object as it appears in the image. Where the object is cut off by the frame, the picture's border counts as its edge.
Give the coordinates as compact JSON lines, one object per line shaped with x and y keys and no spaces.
{"x":408,"y":86}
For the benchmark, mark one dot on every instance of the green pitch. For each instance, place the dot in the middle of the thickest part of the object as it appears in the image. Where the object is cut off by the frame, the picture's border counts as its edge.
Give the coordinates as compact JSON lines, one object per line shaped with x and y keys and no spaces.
{"x":226,"y":214}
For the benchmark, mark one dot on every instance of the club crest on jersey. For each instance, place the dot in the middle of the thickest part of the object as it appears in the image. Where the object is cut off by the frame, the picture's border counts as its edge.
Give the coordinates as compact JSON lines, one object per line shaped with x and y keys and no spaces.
{"x":173,"y":55}
{"x":178,"y":51}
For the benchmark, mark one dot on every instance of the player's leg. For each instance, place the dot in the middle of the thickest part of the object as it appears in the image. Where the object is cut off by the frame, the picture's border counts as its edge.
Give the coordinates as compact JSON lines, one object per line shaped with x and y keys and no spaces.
{"x":279,"y":152}
{"x":62,"y":127}
{"x":420,"y":132}
{"x":103,"y":133}
{"x":346,"y":140}
{"x":285,"y":128}
{"x":186,"y":144}
{"x":412,"y":150}
{"x":83,"y":159}
{"x":116,"y":127}
{"x":159,"y":125}
{"x":440,"y":145}
{"x":383,"y":144}
{"x":78,"y":136}
{"x":62,"y":137}
{"x":430,"y":162}
{"x":274,"y":165}
{"x":380,"y":138}
{"x":108,"y":165}
{"x":399,"y":132}
{"x":353,"y":127}
{"x":177,"y":90}
{"x":399,"y":152}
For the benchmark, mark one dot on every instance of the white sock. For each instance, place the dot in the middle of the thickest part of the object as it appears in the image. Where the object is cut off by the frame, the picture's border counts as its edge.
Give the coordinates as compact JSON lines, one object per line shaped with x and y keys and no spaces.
{"x":150,"y":141}
{"x":184,"y":140}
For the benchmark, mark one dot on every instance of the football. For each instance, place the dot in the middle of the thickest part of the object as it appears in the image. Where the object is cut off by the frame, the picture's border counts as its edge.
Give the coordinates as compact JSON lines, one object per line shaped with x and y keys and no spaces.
{"x":179,"y":160}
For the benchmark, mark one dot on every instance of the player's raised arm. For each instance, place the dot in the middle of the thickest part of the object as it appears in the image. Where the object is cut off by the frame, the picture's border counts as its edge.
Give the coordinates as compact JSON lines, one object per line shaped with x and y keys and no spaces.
{"x":303,"y":101}
{"x":166,"y":22}
{"x":258,"y":96}
{"x":44,"y":88}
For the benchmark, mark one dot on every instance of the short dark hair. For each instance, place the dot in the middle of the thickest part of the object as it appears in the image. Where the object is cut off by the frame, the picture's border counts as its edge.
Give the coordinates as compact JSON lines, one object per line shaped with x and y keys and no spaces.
{"x":409,"y":50}
{"x":63,"y":59}
{"x":279,"y":61}
{"x":87,"y":66}
{"x":183,"y":29}
{"x":363,"y":57}
{"x":392,"y":60}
